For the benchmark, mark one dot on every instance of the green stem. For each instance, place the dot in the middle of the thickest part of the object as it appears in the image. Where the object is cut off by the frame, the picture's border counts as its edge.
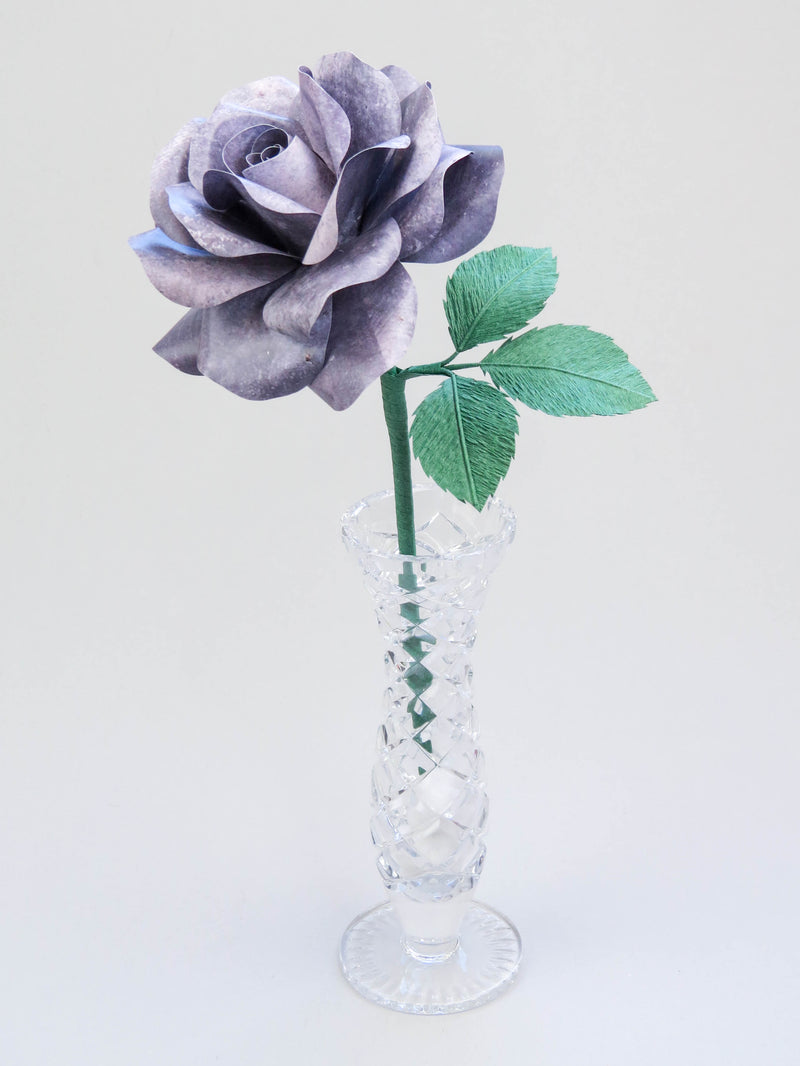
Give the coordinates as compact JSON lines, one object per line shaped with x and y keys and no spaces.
{"x":395,"y":411}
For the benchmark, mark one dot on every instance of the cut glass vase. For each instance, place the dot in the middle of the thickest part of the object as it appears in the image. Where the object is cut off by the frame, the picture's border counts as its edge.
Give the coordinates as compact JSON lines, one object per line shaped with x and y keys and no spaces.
{"x":429,"y":949}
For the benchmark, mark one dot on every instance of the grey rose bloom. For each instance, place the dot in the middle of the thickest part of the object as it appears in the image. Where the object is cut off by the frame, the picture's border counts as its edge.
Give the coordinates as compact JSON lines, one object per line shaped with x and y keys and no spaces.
{"x":282,"y":221}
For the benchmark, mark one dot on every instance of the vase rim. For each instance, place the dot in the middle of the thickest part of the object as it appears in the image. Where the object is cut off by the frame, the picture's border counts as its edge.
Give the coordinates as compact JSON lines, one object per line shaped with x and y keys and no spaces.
{"x":505,"y":523}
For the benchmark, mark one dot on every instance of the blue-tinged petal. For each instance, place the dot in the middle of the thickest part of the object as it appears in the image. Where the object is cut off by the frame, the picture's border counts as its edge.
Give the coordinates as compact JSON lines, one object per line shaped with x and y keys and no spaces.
{"x":471,"y":188}
{"x":325,"y":125}
{"x":241,"y":353}
{"x":213,"y":230}
{"x":371,"y":330}
{"x":296,"y":305}
{"x":359,"y":180}
{"x":194,"y":278}
{"x":171,"y":168}
{"x":367,"y":97}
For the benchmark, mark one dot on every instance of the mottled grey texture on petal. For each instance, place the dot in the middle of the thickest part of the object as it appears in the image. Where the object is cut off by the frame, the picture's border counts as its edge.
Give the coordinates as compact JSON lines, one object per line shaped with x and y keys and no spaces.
{"x":225,"y":122}
{"x":295,"y":306}
{"x":471,"y":188}
{"x":171,"y":168}
{"x":296,"y":173}
{"x":404,"y":84}
{"x":342,"y":215}
{"x":212,"y":229}
{"x":324,"y":124}
{"x":411,"y":168}
{"x":274,"y":95}
{"x":367,"y":97}
{"x":194,"y":278}
{"x":280,"y":221}
{"x":239,"y":352}
{"x":421,"y":215}
{"x":181,"y":345}
{"x":371,"y":330}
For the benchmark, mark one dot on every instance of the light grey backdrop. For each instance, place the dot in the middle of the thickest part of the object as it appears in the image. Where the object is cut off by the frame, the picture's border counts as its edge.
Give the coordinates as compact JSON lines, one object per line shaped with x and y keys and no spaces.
{"x":189,"y":671}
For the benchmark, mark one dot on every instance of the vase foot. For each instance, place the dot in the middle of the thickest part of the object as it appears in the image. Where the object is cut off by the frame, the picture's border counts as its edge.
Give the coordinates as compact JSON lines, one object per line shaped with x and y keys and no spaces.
{"x":375,"y":961}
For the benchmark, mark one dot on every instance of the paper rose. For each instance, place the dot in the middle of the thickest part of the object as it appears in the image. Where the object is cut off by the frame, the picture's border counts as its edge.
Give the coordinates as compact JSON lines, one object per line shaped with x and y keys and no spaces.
{"x":282,"y":221}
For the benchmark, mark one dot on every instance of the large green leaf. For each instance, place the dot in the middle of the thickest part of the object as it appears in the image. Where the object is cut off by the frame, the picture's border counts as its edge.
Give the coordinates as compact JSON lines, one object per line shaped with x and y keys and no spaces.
{"x":568,"y":370}
{"x":463,"y":434}
{"x":496,"y":293}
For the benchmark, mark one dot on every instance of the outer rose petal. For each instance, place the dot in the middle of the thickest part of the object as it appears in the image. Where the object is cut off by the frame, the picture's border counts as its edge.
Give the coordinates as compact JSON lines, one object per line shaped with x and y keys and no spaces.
{"x":366,"y":95}
{"x":371,"y":329}
{"x":471,"y":188}
{"x":171,"y":168}
{"x":273,"y":95}
{"x":181,"y":345}
{"x":239,"y":352}
{"x":421,"y":215}
{"x":404,"y":83}
{"x":296,"y":305}
{"x":192,"y":277}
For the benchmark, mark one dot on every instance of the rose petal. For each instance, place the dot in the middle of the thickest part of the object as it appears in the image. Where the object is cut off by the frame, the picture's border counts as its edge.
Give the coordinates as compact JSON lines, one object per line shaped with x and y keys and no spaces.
{"x":296,"y":305}
{"x":324,"y":124}
{"x":414,"y":166}
{"x":284,"y":222}
{"x":225,"y":122}
{"x":212,"y":229}
{"x":342,"y":215}
{"x":194,"y":278}
{"x":181,"y":345}
{"x":236,"y":148}
{"x":367,"y":97}
{"x":421,"y":215}
{"x":241,"y":353}
{"x":371,"y":330}
{"x":171,"y":168}
{"x":404,"y":83}
{"x":272,"y":95}
{"x":471,"y":188}
{"x":297,"y":173}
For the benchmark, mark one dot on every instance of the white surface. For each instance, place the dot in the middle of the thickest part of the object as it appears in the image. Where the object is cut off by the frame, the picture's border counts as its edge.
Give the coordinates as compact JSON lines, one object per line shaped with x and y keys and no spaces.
{"x":190,"y":676}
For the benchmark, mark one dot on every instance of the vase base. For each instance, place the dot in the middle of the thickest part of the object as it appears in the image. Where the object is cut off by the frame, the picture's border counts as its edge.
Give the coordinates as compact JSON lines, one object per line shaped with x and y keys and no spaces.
{"x":375,"y":961}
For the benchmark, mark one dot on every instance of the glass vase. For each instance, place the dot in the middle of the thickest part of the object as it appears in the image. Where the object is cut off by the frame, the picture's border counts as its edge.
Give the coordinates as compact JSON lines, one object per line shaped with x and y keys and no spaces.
{"x":430,"y":948}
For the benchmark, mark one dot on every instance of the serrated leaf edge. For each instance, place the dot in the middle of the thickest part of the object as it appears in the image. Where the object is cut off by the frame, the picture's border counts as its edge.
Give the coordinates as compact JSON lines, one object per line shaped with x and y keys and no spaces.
{"x":486,"y":306}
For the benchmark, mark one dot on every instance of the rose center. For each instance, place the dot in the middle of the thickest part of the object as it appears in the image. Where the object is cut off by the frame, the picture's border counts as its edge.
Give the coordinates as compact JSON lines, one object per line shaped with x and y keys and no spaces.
{"x":254,"y":146}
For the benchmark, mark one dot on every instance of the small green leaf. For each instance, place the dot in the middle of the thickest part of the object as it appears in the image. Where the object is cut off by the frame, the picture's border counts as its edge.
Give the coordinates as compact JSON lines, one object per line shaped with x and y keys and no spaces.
{"x":568,"y":370}
{"x":463,"y":434}
{"x":496,"y":293}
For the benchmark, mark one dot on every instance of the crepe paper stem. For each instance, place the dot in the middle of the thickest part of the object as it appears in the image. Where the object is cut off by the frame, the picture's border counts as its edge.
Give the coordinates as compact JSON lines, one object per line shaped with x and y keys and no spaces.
{"x":443,"y":368}
{"x":395,"y":410}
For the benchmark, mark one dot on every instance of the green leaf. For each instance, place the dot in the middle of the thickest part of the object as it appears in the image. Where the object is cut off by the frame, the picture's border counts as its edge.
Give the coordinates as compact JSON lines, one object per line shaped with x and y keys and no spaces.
{"x":568,"y":370}
{"x":463,"y":434}
{"x":496,"y":293}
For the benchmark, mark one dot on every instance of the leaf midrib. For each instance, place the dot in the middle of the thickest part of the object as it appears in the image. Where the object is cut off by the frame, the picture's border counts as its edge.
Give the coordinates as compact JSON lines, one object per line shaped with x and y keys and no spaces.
{"x":462,"y":441}
{"x":561,"y":370}
{"x":488,"y":304}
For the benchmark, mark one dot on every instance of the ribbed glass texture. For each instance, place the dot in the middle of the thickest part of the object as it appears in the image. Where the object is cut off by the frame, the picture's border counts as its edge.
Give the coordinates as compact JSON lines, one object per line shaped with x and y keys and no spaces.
{"x":429,"y":800}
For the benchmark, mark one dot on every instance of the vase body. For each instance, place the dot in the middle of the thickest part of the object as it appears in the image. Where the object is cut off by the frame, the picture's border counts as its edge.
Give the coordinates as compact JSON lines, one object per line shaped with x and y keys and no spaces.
{"x":429,"y":948}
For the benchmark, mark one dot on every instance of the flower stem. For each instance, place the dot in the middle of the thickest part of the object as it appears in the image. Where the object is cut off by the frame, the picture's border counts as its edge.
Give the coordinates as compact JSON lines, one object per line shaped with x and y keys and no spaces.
{"x":395,"y":411}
